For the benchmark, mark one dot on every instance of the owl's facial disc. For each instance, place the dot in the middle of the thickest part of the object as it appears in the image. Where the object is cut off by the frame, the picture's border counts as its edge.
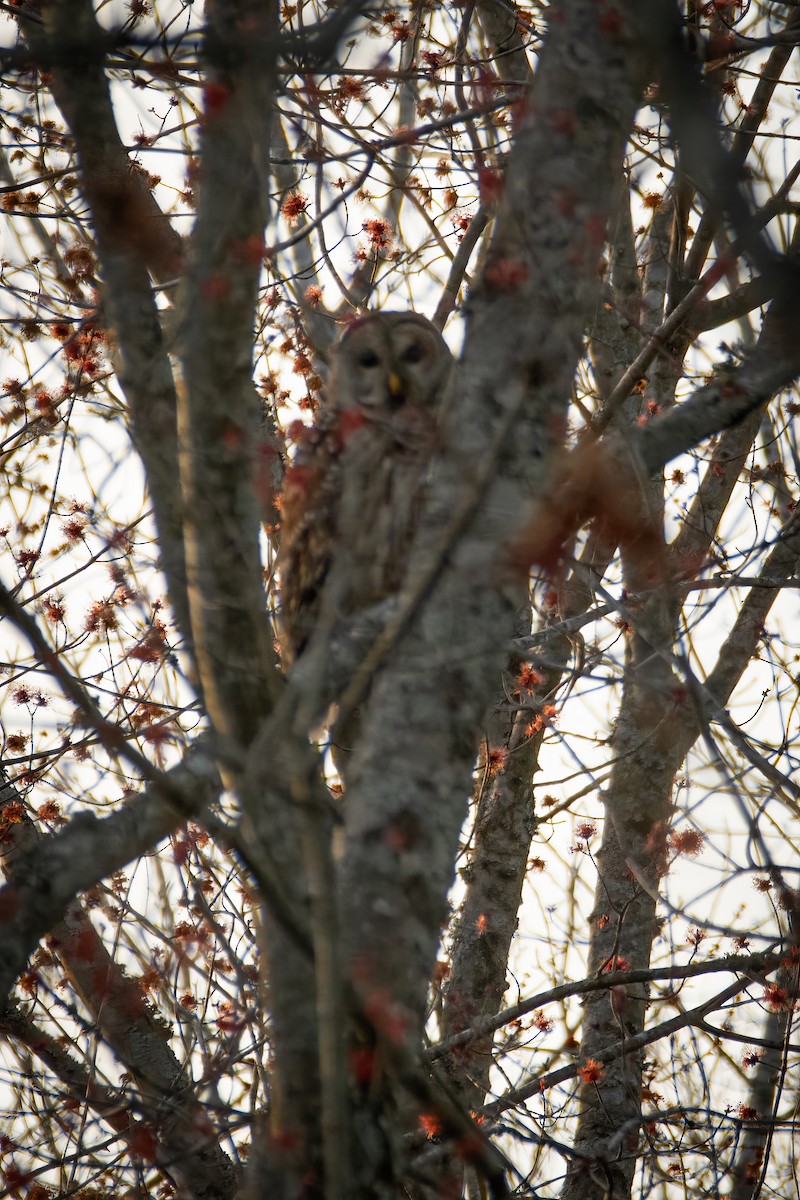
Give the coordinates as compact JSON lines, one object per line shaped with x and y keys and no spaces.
{"x":368,"y":378}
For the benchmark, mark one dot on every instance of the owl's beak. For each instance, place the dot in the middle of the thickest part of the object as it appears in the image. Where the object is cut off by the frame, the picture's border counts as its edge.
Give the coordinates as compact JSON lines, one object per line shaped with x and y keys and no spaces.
{"x":396,"y":390}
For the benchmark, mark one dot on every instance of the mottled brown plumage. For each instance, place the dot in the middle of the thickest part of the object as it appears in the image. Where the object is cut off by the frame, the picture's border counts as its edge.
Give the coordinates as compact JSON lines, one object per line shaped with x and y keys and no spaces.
{"x":353,"y":494}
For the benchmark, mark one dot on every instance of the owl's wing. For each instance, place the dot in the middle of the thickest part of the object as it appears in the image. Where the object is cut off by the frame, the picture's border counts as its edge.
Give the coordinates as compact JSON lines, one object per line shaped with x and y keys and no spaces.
{"x":350,"y":507}
{"x":308,"y":532}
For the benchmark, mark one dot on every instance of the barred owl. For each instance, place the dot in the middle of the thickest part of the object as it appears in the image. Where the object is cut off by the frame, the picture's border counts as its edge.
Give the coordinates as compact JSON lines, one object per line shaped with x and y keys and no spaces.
{"x":353,"y":494}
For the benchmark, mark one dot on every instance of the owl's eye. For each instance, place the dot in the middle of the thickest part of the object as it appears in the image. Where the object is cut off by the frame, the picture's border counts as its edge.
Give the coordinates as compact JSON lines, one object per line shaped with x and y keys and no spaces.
{"x":368,"y":358}
{"x":412,"y":354}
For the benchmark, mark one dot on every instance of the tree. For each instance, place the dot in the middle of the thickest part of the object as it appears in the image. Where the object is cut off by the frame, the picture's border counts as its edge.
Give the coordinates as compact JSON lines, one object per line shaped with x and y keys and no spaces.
{"x":544,"y":944}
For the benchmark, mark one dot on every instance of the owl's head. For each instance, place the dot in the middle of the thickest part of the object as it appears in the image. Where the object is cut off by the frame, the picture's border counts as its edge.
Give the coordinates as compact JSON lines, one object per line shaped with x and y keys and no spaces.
{"x":388,"y":361}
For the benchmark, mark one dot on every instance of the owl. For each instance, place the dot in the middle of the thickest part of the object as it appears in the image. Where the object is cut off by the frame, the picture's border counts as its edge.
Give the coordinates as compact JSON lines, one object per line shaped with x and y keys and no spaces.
{"x":353,"y":494}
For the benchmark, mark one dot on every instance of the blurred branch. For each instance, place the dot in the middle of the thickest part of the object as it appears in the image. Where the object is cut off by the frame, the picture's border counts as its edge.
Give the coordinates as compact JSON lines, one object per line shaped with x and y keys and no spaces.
{"x":218,"y":412}
{"x":458,"y":267}
{"x":45,"y":874}
{"x":691,"y":1018}
{"x":70,"y":42}
{"x":525,"y":325}
{"x":725,"y":401}
{"x":501,"y":28}
{"x":133,"y":238}
{"x":49,"y":871}
{"x":743,"y":964}
{"x":713,"y":169}
{"x":108,"y":732}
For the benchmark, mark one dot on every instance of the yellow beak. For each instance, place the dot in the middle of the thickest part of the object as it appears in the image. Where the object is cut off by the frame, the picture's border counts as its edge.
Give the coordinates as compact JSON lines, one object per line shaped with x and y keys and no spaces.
{"x":395,"y":386}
